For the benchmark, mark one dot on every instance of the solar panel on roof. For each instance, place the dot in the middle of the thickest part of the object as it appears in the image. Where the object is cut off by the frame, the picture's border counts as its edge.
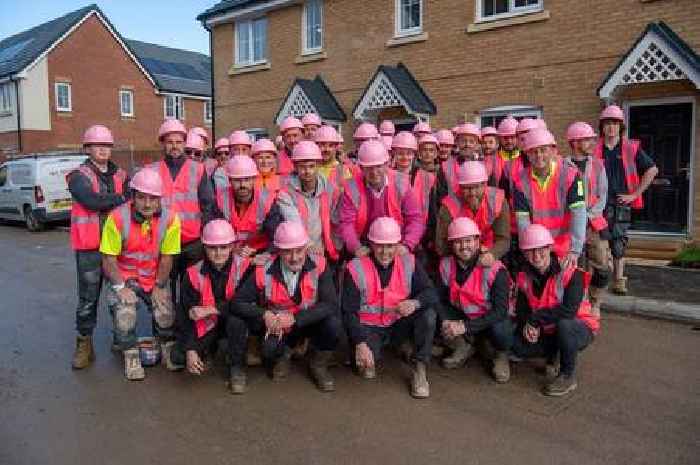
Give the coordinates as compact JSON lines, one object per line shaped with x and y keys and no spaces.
{"x":12,"y":51}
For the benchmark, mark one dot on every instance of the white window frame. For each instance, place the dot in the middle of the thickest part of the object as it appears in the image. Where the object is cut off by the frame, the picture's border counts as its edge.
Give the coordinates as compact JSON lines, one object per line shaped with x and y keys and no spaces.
{"x":179,"y":107}
{"x":304,"y":26}
{"x":512,"y":11}
{"x":67,"y":85}
{"x":517,"y":111}
{"x":249,"y":24}
{"x":6,"y":98}
{"x":130,"y":93}
{"x":398,"y":31}
{"x":208,"y":111}
{"x":258,"y":133}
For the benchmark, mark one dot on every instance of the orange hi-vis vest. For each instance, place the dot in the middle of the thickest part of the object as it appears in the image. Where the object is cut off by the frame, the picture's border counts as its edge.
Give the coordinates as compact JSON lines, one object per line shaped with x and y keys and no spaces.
{"x":284,"y":163}
{"x":553,"y":294}
{"x":512,"y":172}
{"x":423,"y":185}
{"x":449,"y":171}
{"x":274,"y":295}
{"x":398,"y":185}
{"x":140,"y":252}
{"x":271,"y":183}
{"x":249,"y":225}
{"x":473,"y":297}
{"x":181,"y":195}
{"x":490,"y":209}
{"x":495,"y":166}
{"x":628,"y":152}
{"x":595,"y":169}
{"x":202,"y":284}
{"x":378,"y":306}
{"x":548,"y":207}
{"x":84,"y":223}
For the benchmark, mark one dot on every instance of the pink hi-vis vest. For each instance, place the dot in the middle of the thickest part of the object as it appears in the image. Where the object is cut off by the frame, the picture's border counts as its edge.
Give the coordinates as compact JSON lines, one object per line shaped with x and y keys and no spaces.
{"x":423,"y":185}
{"x":473,"y":297}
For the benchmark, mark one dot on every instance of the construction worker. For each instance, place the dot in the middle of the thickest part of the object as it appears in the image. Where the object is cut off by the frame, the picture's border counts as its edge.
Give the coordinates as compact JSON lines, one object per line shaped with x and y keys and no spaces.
{"x":380,"y":191}
{"x":363,"y":133}
{"x":386,"y":128}
{"x":264,"y":154}
{"x":330,"y":167}
{"x":139,"y":242}
{"x":194,"y":146}
{"x":97,"y":186}
{"x":474,"y":300}
{"x":630,"y":172}
{"x":485,"y":205}
{"x":467,"y":137}
{"x":311,"y":123}
{"x":387,"y":296}
{"x":203,"y":313}
{"x":289,"y":298}
{"x":508,"y":140}
{"x":582,"y":140}
{"x":421,"y":129}
{"x":524,"y":126}
{"x":291,"y":130}
{"x":552,"y":312}
{"x":201,"y":132}
{"x":495,"y":165}
{"x":446,"y":141}
{"x":550,"y":192}
{"x":403,"y":152}
{"x":239,"y":143}
{"x":221,"y":155}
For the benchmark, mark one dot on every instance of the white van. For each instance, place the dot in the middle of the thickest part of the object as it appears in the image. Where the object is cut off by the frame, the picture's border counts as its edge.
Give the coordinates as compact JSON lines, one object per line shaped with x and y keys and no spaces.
{"x":33,"y":188}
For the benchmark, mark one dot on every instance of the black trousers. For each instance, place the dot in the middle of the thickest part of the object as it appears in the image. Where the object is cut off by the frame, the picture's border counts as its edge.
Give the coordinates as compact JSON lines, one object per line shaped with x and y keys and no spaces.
{"x":88,"y":264}
{"x":500,"y":334}
{"x":419,"y":327}
{"x":190,"y":253}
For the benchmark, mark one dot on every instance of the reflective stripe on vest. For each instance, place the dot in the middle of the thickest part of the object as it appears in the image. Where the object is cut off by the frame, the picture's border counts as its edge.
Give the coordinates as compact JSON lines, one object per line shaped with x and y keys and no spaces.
{"x":628,"y":152}
{"x":275,"y":296}
{"x":494,"y":167}
{"x":284,"y":163}
{"x":398,"y":185}
{"x":423,"y":185}
{"x":182,"y":196}
{"x":249,"y":226}
{"x":489,"y":209}
{"x":592,"y":174}
{"x":473,"y":297}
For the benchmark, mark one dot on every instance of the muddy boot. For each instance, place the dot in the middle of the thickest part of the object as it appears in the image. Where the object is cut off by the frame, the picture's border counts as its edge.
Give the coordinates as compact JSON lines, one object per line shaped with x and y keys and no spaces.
{"x":319,"y":370}
{"x":169,"y":356}
{"x":552,"y":368}
{"x":620,"y":286}
{"x":280,"y":370}
{"x":595,"y":295}
{"x":132,"y":365}
{"x":84,"y":353}
{"x":420,"y":389}
{"x":461,"y":351}
{"x":501,"y":367}
{"x":368,"y":372}
{"x":560,"y":386}
{"x":406,"y":351}
{"x":237,"y":380}
{"x":253,"y":358}
{"x":299,"y":351}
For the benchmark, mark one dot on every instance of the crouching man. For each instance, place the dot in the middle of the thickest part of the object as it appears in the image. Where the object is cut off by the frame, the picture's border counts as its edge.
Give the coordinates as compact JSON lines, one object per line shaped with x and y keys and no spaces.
{"x":388,"y":296}
{"x":553,"y":312}
{"x":288,"y":298}
{"x":474,"y":300}
{"x":139,"y":241}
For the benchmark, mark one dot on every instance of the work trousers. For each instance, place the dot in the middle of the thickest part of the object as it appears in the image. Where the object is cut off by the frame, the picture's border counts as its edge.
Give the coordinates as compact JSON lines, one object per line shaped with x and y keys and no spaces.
{"x":419,"y":328}
{"x":88,"y":264}
{"x":597,"y":259}
{"x":499,"y":334}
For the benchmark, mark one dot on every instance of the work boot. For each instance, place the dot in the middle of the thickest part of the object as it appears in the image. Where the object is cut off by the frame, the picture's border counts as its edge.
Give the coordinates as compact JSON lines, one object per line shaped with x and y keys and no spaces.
{"x":84,"y":353}
{"x":299,"y":351}
{"x":253,"y":358}
{"x":319,"y":370}
{"x":406,"y":351}
{"x":368,"y":372}
{"x":461,"y":351}
{"x":280,"y":370}
{"x":620,"y":286}
{"x":595,"y":295}
{"x":132,"y":365}
{"x":420,"y":389}
{"x":551,"y":370}
{"x":560,"y":386}
{"x":169,"y":357}
{"x":501,"y":367}
{"x":237,"y":380}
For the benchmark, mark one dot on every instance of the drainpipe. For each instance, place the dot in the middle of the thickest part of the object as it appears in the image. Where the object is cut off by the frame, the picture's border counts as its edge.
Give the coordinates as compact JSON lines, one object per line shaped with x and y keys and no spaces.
{"x":211,"y":61}
{"x":19,"y":117}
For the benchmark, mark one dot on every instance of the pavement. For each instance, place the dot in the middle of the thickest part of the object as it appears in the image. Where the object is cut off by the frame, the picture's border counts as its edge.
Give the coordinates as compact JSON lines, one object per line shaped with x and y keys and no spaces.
{"x":638,"y":400}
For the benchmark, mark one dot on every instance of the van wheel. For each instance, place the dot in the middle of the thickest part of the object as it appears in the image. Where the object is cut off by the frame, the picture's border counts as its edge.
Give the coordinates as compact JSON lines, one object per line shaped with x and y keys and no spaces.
{"x":32,"y":222}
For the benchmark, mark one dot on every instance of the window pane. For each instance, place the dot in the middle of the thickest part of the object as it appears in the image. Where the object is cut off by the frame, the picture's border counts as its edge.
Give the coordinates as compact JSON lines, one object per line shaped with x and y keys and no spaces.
{"x":494,"y":7}
{"x":410,"y":14}
{"x":169,"y":106}
{"x":313,"y":24}
{"x":522,"y":3}
{"x":126,"y":101}
{"x":259,"y":39}
{"x":180,"y":102}
{"x":63,"y":96}
{"x":243,"y":41}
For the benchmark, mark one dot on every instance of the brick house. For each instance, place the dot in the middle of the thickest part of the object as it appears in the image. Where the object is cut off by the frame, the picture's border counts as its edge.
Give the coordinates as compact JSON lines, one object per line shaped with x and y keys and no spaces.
{"x":446,"y":61}
{"x":60,"y":77}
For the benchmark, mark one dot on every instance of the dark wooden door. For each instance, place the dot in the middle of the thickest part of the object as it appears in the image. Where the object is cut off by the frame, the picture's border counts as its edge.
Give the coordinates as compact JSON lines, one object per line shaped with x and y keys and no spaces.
{"x":665,"y":132}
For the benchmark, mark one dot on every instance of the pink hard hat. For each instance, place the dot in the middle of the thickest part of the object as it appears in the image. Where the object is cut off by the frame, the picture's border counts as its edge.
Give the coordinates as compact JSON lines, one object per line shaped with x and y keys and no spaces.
{"x":538,"y":138}
{"x":526,"y":124}
{"x":469,"y":129}
{"x":489,"y":131}
{"x":194,"y":141}
{"x":218,"y":232}
{"x":579,"y":130}
{"x":221,"y":144}
{"x":241,"y":166}
{"x":239,"y":138}
{"x":428,"y":139}
{"x":326,"y":134}
{"x":365,"y":131}
{"x":404,"y":140}
{"x":306,"y":150}
{"x":534,"y":237}
{"x":507,"y":126}
{"x":471,"y":172}
{"x":311,"y":118}
{"x":171,"y":126}
{"x":462,"y":227}
{"x":264,"y":145}
{"x":147,"y":181}
{"x":290,"y":235}
{"x":290,"y":122}
{"x":384,"y":230}
{"x":98,"y":134}
{"x":612,"y":112}
{"x":445,"y":137}
{"x":387,"y":128}
{"x":541,"y":124}
{"x":372,"y":153}
{"x":201,"y":132}
{"x":422,"y":127}
{"x":387,"y":140}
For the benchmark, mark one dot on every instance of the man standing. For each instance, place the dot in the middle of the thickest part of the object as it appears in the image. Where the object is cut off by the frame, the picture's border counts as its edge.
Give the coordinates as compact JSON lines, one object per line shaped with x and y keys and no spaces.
{"x":311,"y":122}
{"x":508,"y":139}
{"x":291,"y":130}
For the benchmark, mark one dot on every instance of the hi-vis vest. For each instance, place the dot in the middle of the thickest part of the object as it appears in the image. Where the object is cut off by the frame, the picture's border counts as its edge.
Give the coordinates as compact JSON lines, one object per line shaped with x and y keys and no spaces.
{"x":140,"y":253}
{"x":378,"y":306}
{"x":553,"y":294}
{"x":595,"y":169}
{"x":398,"y":185}
{"x":495,"y":167}
{"x":84,"y":223}
{"x":284,"y":163}
{"x":473,"y":297}
{"x":449,"y":171}
{"x":181,"y":195}
{"x":274,"y":294}
{"x":202,"y":284}
{"x":489,"y":210}
{"x":628,"y":152}
{"x":423,"y":185}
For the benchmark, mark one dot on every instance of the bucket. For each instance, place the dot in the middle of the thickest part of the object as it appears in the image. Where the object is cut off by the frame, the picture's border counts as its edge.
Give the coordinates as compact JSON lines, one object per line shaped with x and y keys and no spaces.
{"x":149,"y":351}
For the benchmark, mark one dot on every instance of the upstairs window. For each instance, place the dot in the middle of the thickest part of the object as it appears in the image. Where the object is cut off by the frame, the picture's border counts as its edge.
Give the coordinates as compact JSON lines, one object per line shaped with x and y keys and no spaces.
{"x":251,"y":42}
{"x":174,"y":107}
{"x":496,"y":9}
{"x":63,"y":97}
{"x":6,"y":92}
{"x":409,"y":17}
{"x":126,"y":102}
{"x":207,"y":111}
{"x":312,"y":27}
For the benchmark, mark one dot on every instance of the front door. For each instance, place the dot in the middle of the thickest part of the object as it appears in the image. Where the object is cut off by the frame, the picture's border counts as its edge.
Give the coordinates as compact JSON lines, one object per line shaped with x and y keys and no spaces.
{"x":665,"y":133}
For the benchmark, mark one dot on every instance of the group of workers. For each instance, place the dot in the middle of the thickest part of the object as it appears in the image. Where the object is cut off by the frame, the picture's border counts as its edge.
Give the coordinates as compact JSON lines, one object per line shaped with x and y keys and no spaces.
{"x":488,"y":240}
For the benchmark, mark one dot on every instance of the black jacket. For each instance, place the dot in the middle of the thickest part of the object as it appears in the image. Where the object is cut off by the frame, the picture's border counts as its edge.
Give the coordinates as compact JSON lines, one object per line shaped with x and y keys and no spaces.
{"x":106,"y":199}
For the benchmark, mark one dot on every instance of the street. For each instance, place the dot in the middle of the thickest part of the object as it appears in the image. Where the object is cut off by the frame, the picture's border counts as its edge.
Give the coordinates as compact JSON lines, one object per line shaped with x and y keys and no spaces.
{"x":638,"y":400}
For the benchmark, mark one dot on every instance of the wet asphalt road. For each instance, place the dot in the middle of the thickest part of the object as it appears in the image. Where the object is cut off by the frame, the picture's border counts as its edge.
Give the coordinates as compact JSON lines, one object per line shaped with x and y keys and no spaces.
{"x":638,"y":399}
